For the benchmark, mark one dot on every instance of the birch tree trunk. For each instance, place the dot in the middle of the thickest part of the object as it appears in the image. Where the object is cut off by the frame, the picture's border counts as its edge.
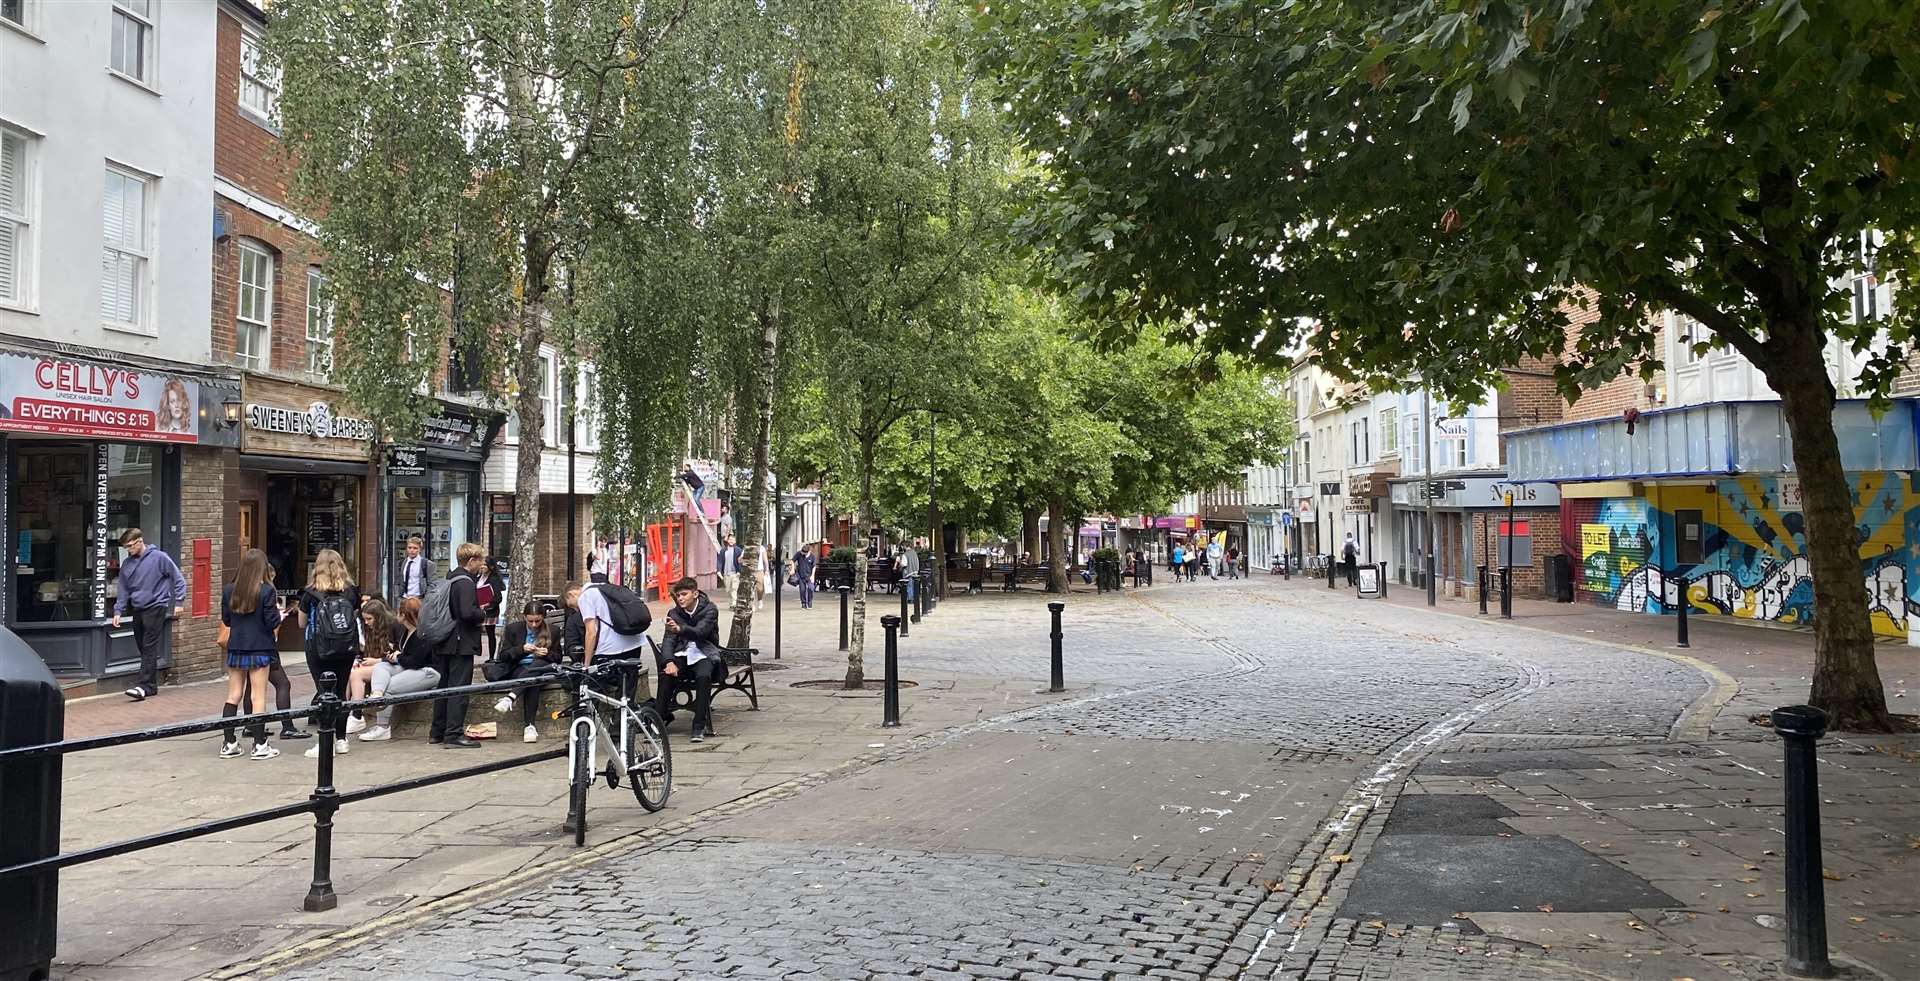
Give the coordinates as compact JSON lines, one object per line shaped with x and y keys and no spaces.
{"x":751,"y":526}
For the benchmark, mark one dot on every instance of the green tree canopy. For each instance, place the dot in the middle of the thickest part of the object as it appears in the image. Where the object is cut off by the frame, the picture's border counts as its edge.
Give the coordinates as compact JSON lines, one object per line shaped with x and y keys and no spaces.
{"x":1431,"y":187}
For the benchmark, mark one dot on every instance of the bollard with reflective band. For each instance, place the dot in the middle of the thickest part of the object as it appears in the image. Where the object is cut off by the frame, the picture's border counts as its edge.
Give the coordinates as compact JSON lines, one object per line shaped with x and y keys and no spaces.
{"x":1680,"y":613}
{"x":845,"y":591}
{"x":1799,"y":727}
{"x":320,"y":895}
{"x":890,"y":697}
{"x":1059,"y":669}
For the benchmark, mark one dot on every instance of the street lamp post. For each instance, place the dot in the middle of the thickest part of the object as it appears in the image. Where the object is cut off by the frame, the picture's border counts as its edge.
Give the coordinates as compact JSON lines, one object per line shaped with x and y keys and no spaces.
{"x":1426,"y":455}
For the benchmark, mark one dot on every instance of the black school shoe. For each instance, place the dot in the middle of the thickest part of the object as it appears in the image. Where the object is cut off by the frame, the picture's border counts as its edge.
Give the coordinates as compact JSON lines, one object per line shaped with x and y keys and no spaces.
{"x":289,"y":732}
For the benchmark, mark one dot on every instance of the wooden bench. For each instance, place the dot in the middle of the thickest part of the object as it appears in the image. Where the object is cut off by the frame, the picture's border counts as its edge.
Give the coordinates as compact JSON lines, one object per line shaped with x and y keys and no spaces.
{"x":969,"y":579}
{"x":736,"y":676}
{"x":1013,"y":576}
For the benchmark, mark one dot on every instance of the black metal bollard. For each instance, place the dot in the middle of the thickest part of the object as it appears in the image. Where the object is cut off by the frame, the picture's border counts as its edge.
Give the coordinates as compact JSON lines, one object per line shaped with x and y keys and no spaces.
{"x":919,"y":598}
{"x":1332,"y":570}
{"x":326,"y":714}
{"x":902,"y":586}
{"x":1383,"y":580}
{"x":845,"y":591}
{"x":890,"y":697}
{"x":1680,"y":613}
{"x":1800,"y":726}
{"x":1059,"y":669}
{"x":1486,"y":583}
{"x":779,"y":581}
{"x":1286,"y":567}
{"x":1506,"y":593}
{"x":31,"y":712}
{"x":928,"y":581}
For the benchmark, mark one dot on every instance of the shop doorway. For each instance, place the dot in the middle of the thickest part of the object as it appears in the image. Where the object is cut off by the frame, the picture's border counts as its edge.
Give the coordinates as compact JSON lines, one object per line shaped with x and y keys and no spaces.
{"x":305,"y":514}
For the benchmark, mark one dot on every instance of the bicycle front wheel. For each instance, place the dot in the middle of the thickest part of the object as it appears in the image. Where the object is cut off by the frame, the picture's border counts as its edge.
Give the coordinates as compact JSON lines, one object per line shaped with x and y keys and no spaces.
{"x":649,"y":758}
{"x":582,"y":780}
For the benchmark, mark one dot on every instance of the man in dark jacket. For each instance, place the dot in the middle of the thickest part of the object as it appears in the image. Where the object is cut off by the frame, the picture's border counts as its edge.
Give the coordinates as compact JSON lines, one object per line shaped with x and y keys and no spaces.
{"x":455,"y":658}
{"x":692,"y":655}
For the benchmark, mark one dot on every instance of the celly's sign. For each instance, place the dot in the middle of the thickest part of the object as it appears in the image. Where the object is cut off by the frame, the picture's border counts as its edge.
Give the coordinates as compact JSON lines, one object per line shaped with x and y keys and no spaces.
{"x":317,"y":421}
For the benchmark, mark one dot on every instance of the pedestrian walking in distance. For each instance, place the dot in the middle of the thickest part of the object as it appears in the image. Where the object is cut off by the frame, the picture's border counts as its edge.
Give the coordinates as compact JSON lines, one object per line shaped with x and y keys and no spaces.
{"x":249,"y":615}
{"x":1350,"y":558}
{"x":329,"y":613}
{"x":727,"y":563}
{"x":1214,"y":552}
{"x":802,"y":576}
{"x":1178,"y":564}
{"x":153,"y":590}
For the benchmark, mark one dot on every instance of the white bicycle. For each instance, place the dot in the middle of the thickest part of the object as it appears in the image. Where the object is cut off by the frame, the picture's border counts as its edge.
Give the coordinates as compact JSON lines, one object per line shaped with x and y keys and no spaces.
{"x":640,"y":754}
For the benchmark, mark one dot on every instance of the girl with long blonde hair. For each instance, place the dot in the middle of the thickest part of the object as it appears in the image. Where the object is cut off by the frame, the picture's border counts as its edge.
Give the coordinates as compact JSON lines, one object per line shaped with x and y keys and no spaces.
{"x":330,"y":616}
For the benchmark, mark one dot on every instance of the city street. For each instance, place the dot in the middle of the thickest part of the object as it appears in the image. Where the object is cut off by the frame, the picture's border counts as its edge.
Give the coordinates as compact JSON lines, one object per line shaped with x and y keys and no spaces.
{"x":1251,"y":779}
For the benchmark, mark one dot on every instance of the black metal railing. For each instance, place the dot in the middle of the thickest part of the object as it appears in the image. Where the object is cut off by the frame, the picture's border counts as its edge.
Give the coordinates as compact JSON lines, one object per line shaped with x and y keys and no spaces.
{"x":325,"y":713}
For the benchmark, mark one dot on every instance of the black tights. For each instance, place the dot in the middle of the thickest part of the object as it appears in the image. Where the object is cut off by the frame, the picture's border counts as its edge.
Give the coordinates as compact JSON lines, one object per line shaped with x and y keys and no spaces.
{"x":257,"y":730}
{"x":282,"y":694}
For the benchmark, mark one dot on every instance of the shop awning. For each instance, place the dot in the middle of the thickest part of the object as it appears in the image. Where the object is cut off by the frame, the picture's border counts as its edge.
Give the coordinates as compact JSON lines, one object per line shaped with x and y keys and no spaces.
{"x":1717,"y":438}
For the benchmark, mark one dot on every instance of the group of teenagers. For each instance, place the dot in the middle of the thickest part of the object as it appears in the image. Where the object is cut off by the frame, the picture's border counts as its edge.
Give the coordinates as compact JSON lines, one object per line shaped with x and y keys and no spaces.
{"x":372,"y":648}
{"x":1190,"y":560}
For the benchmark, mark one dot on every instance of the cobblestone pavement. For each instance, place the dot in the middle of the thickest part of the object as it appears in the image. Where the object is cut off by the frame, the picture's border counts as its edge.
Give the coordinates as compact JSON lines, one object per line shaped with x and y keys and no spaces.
{"x":1199,"y":804}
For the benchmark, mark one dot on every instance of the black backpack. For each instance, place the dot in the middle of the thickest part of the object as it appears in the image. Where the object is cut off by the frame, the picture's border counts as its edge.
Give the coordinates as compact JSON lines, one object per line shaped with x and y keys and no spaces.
{"x":334,"y":630}
{"x":627,"y":613}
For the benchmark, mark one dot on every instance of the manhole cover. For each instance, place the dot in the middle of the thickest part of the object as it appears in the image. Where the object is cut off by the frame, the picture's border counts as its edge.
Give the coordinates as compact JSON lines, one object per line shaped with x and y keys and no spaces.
{"x":840,"y":683}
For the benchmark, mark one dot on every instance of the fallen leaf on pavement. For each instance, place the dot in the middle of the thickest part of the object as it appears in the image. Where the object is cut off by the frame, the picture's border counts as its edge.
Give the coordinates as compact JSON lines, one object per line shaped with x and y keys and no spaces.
{"x":1341,"y":859}
{"x":1545,"y":907}
{"x":1830,"y":875}
{"x":1856,"y":919}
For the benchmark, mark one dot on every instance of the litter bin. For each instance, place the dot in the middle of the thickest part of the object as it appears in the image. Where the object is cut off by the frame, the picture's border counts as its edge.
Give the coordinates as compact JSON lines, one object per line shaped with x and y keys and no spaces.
{"x":31,"y":712}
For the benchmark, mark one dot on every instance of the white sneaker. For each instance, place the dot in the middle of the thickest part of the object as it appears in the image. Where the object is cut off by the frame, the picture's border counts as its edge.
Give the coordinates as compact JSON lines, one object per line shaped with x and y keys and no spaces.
{"x":340,"y":747}
{"x":230,"y":750}
{"x":532,"y":735}
{"x":355,"y":724}
{"x":265,"y":751}
{"x":314,"y":753}
{"x":505,"y":704}
{"x":376,"y":734}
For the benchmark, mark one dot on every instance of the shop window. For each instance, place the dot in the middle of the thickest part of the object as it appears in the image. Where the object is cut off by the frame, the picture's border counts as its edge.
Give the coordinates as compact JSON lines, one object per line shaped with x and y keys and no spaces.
{"x":53,"y":506}
{"x":306,"y":514}
{"x":134,"y":500}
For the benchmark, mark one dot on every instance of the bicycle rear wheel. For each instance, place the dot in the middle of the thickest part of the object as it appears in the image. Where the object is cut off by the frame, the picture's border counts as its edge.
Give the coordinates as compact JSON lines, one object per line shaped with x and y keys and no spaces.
{"x":649,"y":758}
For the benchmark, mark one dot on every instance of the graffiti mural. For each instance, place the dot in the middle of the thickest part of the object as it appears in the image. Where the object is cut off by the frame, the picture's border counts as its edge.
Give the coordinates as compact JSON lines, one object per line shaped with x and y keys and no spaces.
{"x":1741,"y":544}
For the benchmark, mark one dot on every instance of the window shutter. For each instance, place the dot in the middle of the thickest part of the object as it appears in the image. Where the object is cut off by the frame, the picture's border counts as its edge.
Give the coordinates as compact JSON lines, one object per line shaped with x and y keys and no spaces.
{"x":13,"y":174}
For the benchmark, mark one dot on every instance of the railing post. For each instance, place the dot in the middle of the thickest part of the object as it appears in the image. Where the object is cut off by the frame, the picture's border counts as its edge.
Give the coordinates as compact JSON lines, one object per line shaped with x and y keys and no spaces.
{"x":1059,"y":669}
{"x":326,"y":714}
{"x":1680,"y":612}
{"x":890,"y":697}
{"x":1799,"y":727}
{"x":845,"y":591}
{"x":1506,"y":592}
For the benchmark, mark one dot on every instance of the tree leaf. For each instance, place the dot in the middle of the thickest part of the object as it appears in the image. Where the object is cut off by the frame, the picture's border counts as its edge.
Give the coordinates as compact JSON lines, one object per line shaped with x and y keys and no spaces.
{"x":1461,"y":113}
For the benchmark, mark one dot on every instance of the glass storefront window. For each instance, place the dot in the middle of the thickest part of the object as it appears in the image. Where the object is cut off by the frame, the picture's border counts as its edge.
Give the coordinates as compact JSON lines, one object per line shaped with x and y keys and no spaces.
{"x":53,"y":500}
{"x":133,"y":501}
{"x":452,"y":492}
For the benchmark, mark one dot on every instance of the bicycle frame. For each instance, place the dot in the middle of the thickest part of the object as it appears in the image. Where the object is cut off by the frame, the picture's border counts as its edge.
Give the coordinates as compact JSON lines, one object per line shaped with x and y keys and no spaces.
{"x":587,"y":713}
